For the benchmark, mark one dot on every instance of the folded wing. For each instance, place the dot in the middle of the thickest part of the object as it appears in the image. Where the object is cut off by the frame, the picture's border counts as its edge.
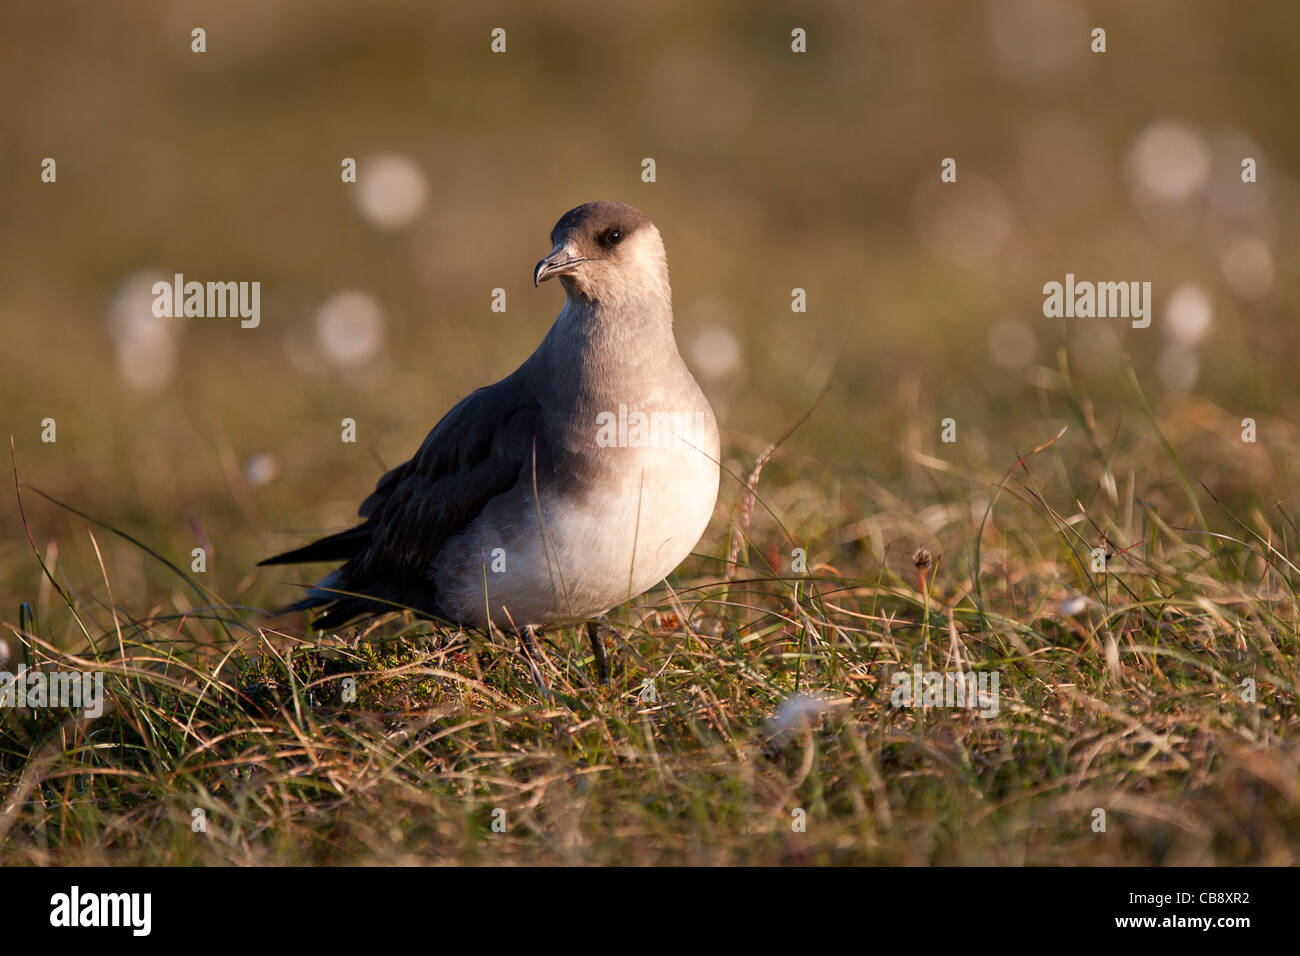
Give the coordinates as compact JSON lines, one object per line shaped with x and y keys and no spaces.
{"x":489,"y":442}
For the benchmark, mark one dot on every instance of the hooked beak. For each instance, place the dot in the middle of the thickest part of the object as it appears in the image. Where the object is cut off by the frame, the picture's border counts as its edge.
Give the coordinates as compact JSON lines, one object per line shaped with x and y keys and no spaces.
{"x":560,"y":262}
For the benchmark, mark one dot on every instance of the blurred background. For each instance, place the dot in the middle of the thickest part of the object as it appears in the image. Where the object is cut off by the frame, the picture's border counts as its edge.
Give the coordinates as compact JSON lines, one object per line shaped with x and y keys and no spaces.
{"x":775,"y":170}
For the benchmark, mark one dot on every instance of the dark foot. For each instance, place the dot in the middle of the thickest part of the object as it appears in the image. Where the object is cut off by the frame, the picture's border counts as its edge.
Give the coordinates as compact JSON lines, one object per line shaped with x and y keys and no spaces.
{"x":598,"y":651}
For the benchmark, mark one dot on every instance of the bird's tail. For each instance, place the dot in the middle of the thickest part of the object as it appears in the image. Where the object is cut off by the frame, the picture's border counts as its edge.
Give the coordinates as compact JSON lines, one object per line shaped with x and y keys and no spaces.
{"x":329,"y":592}
{"x":340,"y":608}
{"x":334,"y":547}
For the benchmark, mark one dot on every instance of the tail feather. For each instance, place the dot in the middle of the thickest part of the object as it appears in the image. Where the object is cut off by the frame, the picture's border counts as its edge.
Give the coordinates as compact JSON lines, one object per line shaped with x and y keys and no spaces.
{"x":306,"y":604}
{"x":340,"y":613}
{"x":335,"y":547}
{"x":338,"y":608}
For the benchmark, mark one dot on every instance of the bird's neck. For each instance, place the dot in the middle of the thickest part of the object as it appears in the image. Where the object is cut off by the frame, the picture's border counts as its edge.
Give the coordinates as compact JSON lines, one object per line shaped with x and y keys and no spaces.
{"x":597,"y":356}
{"x":640,"y":325}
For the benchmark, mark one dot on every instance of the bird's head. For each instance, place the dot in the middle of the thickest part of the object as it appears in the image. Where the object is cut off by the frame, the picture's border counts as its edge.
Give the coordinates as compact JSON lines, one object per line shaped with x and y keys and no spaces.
{"x":606,"y":252}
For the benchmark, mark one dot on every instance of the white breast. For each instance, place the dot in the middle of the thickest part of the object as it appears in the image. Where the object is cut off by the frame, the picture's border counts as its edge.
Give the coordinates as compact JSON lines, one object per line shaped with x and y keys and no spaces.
{"x":572,"y":558}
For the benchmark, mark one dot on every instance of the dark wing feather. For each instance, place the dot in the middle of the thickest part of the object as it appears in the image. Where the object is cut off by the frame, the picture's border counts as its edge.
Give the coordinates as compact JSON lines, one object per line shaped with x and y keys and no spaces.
{"x":482,"y":448}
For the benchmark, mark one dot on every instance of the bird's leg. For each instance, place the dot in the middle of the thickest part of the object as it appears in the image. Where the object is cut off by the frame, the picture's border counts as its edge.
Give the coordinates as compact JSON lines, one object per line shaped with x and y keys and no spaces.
{"x":529,"y":647}
{"x":598,"y":651}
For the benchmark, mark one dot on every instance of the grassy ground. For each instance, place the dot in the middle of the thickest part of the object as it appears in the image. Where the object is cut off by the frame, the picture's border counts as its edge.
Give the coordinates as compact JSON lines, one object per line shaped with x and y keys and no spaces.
{"x":1120,"y":691}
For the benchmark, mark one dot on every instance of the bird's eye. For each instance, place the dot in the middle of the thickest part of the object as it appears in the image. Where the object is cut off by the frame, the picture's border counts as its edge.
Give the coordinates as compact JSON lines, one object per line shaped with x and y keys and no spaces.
{"x":611,"y":237}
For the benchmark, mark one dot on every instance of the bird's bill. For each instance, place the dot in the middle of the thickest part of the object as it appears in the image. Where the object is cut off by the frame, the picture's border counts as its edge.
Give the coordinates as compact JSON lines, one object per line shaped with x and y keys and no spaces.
{"x":560,"y":262}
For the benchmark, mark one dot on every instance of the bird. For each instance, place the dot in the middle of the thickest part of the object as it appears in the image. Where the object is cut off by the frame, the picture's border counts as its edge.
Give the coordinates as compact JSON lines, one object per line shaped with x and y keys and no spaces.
{"x":569,"y":487}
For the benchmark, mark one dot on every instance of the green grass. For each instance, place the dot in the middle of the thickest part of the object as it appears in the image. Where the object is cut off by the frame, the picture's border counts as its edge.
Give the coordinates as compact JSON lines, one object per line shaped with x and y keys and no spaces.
{"x":1133,"y":706}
